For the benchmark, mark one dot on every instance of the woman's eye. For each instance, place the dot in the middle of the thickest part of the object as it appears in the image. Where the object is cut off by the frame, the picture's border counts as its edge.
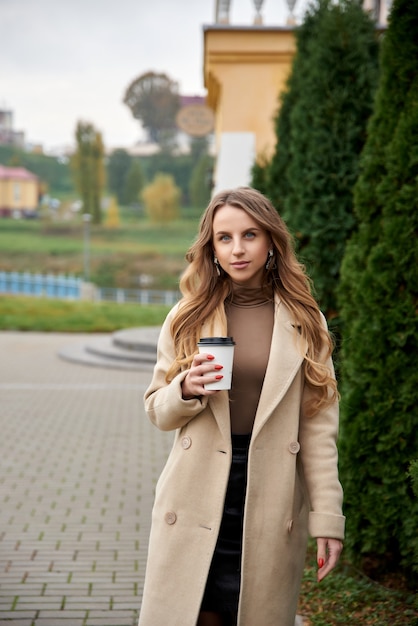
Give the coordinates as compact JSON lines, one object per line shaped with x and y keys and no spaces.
{"x":250,"y":235}
{"x":225,"y":238}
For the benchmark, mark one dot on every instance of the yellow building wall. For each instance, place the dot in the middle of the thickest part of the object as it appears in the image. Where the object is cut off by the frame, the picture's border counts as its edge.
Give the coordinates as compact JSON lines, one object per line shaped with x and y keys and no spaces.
{"x":245,"y":69}
{"x":18,"y":194}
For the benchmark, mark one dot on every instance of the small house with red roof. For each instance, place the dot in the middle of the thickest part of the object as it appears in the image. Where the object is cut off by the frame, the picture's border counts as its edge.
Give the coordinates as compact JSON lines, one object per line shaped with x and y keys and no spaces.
{"x":19,"y":192}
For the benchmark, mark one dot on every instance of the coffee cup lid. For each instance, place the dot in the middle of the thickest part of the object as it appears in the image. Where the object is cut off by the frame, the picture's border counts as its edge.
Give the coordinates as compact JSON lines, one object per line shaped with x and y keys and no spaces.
{"x":218,"y":341}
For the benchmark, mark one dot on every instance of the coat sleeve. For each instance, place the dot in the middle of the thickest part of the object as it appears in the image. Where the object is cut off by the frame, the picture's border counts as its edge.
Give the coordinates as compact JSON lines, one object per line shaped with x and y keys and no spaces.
{"x":319,"y":455}
{"x":163,"y":401}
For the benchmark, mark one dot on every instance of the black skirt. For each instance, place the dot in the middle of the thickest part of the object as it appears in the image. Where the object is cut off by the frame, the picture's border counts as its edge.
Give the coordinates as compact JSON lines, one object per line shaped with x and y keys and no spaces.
{"x":223,"y":583}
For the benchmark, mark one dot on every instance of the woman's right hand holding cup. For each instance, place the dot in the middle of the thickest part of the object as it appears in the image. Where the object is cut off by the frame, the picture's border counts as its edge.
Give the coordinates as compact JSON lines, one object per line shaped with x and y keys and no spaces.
{"x":202,"y":371}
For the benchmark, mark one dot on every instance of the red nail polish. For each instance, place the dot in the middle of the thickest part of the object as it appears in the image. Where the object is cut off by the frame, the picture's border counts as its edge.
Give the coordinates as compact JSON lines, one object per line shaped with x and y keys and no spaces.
{"x":219,"y":377}
{"x":321,"y":563}
{"x":219,"y":367}
{"x":210,"y":357}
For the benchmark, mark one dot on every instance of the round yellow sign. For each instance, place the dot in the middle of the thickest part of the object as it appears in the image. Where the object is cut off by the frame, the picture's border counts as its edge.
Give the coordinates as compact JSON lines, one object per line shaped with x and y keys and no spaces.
{"x":195,"y":119}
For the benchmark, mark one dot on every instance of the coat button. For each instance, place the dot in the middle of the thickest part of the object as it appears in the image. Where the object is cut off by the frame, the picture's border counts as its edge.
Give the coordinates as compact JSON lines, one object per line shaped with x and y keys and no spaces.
{"x":294,"y":447}
{"x":170,"y":517}
{"x":186,"y":442}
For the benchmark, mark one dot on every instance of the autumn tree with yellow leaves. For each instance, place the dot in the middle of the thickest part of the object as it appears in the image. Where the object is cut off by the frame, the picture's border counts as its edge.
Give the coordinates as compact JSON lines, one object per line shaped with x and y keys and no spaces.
{"x":162,"y":199}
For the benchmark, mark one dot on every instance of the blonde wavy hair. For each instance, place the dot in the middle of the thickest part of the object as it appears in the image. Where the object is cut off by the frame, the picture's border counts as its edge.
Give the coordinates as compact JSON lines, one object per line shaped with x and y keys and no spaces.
{"x":204,"y":293}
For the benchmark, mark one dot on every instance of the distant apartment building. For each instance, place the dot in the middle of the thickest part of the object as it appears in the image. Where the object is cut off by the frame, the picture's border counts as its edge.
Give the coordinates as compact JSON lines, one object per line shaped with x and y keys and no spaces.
{"x":9,"y":136}
{"x":19,"y":192}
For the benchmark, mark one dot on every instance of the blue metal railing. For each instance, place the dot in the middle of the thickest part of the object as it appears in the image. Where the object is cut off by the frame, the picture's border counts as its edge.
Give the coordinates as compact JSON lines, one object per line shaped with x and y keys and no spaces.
{"x":46,"y":285}
{"x":71,"y":288}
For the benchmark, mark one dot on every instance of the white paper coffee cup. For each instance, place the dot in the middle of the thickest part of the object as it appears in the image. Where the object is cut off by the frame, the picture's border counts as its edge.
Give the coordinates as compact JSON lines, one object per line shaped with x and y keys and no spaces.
{"x":222,"y":348}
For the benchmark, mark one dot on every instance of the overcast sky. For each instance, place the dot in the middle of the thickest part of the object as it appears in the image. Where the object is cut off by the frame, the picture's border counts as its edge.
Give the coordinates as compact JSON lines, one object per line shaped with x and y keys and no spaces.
{"x":67,"y":60}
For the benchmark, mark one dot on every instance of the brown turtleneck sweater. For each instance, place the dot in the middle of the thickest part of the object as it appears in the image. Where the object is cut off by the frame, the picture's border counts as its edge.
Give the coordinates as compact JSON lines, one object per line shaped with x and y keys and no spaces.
{"x":250,"y":315}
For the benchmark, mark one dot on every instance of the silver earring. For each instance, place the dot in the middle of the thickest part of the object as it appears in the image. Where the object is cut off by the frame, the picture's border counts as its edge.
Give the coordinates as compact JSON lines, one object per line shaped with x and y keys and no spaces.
{"x":269,"y":260}
{"x":217,"y":266}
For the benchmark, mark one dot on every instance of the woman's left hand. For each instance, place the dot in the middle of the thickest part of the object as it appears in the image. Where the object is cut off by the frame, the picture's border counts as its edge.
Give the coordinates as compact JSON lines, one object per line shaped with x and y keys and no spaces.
{"x":328,"y":553}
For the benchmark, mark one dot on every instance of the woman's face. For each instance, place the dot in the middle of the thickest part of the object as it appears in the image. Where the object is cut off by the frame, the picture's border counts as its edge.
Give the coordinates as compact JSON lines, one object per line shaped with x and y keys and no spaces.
{"x":240,"y":245}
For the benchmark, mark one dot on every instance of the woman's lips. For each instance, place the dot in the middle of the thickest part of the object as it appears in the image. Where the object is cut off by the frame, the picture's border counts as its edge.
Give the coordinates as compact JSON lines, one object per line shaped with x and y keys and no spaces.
{"x":240,"y":264}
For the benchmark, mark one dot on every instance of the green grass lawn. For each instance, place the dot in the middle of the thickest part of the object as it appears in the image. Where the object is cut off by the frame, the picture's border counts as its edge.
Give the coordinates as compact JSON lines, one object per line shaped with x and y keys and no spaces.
{"x":118,"y":257}
{"x":25,"y":236}
{"x":48,"y":315}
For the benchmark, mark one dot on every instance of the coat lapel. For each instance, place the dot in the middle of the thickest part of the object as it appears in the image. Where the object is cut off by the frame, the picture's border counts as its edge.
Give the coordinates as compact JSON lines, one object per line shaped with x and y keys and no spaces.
{"x":219,"y":404}
{"x":286,"y":357}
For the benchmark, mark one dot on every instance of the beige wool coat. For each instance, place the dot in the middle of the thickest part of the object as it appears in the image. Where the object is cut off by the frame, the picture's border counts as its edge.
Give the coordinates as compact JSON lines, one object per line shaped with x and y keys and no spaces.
{"x":292,"y":489}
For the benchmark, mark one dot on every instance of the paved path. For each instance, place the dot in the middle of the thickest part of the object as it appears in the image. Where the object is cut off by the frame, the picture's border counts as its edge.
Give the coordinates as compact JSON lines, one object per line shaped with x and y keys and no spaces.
{"x":78,"y":464}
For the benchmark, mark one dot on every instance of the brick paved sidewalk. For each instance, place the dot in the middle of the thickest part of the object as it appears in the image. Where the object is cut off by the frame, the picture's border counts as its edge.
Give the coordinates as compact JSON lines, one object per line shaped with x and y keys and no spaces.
{"x":78,"y":465}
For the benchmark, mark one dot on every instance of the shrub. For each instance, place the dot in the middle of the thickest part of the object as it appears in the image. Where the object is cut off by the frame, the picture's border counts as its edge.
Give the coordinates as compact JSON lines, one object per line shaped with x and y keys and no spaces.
{"x":379,"y":301}
{"x":112,"y":214}
{"x":161,"y":199}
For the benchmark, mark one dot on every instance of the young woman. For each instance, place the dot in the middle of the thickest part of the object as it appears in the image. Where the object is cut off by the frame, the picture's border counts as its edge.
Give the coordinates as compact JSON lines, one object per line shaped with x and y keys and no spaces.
{"x":252,"y":471}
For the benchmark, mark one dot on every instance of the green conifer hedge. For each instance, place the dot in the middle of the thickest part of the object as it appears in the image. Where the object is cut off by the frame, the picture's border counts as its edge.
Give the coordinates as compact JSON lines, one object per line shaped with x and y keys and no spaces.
{"x":379,"y":309}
